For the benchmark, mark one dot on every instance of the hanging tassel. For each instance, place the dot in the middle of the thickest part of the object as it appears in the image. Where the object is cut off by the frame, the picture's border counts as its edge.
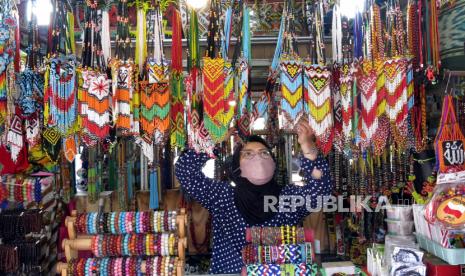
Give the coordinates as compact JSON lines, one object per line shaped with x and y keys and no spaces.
{"x":70,"y":17}
{"x":154,"y":204}
{"x":337,"y":34}
{"x":141,"y":34}
{"x":106,"y":44}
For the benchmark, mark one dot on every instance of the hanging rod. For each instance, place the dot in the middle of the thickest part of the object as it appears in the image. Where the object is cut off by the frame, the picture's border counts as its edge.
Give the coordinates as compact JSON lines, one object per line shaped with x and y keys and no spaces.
{"x":454,"y":73}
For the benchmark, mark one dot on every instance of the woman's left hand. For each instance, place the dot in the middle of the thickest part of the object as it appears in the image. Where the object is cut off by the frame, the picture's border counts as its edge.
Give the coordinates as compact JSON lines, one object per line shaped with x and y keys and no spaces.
{"x":306,"y":138}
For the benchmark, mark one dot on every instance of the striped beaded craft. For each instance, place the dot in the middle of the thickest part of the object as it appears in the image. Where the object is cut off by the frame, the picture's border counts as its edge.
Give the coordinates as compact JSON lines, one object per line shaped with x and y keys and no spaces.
{"x":396,"y":90}
{"x":122,"y":95}
{"x":319,"y":104}
{"x":292,"y":102}
{"x":60,"y":95}
{"x":213,"y":97}
{"x":366,"y":84}
{"x":95,"y":104}
{"x":345,"y":87}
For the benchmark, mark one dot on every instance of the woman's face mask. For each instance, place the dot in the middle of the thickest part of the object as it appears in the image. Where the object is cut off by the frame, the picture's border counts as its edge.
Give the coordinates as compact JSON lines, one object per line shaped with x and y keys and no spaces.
{"x":257,"y":165}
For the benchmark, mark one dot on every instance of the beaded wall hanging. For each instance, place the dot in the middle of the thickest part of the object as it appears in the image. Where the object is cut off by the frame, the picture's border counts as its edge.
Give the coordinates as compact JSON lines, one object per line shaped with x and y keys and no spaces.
{"x":396,"y":94}
{"x":319,"y":104}
{"x":122,"y":82}
{"x":32,"y":127}
{"x":450,"y":141}
{"x":213,"y":97}
{"x":15,"y":138}
{"x":96,"y":103}
{"x":60,"y":95}
{"x":292,"y":103}
{"x":178,"y":132}
{"x":8,"y":50}
{"x":366,"y":84}
{"x":155,"y":98}
{"x":161,"y":101}
{"x":51,"y":143}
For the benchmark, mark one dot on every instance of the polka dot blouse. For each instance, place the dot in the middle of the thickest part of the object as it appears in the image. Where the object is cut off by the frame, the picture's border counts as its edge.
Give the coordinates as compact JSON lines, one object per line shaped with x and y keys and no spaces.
{"x":228,"y":224}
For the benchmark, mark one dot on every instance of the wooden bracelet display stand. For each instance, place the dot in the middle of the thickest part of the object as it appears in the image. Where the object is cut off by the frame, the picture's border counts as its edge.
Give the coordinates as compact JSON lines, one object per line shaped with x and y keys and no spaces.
{"x":77,"y":243}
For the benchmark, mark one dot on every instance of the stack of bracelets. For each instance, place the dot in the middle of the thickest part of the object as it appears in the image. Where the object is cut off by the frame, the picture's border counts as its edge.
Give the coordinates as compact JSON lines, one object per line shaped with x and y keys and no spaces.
{"x":276,"y":250}
{"x":164,"y":244}
{"x":21,"y":257}
{"x":122,"y":266}
{"x":276,"y":235}
{"x":283,"y":269}
{"x":126,"y":222}
{"x":21,"y":190}
{"x":15,"y":224}
{"x":278,"y":254}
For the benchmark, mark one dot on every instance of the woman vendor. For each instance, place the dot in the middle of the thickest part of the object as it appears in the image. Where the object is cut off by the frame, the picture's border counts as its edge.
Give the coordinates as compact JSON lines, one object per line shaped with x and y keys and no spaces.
{"x":239,"y":203}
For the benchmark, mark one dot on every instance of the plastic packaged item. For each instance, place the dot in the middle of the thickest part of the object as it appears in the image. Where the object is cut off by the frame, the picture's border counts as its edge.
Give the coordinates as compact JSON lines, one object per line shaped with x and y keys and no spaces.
{"x":391,"y":242}
{"x":447,"y":206}
{"x":399,"y":227}
{"x":400,"y":269}
{"x":399,"y":212}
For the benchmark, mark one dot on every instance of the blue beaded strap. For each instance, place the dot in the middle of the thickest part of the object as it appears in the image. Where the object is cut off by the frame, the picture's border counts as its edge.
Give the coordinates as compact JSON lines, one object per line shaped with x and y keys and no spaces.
{"x":112,"y":223}
{"x":126,"y":245}
{"x":121,"y":223}
{"x":136,"y":219}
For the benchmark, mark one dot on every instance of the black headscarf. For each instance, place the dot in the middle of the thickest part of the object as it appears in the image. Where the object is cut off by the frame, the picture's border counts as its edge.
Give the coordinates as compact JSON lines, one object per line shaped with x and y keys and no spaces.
{"x":248,"y":197}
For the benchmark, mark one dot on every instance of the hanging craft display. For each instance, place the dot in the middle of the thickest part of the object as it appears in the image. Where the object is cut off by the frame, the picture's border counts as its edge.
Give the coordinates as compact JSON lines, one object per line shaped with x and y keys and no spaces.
{"x":122,"y":95}
{"x":155,"y":98}
{"x":15,"y":138}
{"x":346,"y":100}
{"x":32,"y":126}
{"x":160,"y":98}
{"x":31,"y":86}
{"x":319,"y":104}
{"x":292,"y":102}
{"x":70,"y":148}
{"x":366,"y":84}
{"x":95,"y":103}
{"x":51,"y":143}
{"x":213,"y":97}
{"x":450,"y":141}
{"x":396,"y":90}
{"x":60,"y":95}
{"x":178,"y":133}
{"x":7,"y":56}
